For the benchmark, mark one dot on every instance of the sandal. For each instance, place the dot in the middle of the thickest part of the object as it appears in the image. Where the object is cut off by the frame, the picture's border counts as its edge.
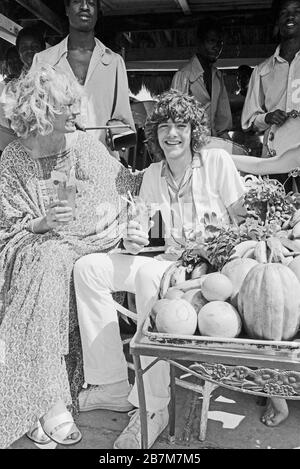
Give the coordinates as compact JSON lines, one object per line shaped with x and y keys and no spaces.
{"x":59,"y":427}
{"x":37,"y":434}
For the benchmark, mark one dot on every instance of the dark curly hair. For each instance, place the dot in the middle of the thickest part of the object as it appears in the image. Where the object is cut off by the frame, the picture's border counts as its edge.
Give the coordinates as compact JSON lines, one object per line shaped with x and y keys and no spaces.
{"x":180,"y":107}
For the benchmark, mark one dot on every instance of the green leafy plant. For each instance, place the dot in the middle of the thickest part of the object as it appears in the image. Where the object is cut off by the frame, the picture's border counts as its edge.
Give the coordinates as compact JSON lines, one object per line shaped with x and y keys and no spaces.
{"x":268,"y":211}
{"x":267,"y":201}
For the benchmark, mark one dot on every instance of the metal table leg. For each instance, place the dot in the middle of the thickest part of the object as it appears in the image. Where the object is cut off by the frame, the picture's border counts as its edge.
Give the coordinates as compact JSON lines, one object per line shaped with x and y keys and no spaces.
{"x":172,"y":405}
{"x":142,"y":401}
{"x":207,"y":390}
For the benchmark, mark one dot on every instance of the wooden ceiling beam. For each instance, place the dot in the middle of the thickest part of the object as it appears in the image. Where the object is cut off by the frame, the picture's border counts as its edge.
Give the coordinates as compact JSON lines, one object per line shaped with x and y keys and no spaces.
{"x":114,"y":24}
{"x":187,"y":6}
{"x":42,"y":12}
{"x":8,"y":29}
{"x":232,"y":5}
{"x":183,"y":4}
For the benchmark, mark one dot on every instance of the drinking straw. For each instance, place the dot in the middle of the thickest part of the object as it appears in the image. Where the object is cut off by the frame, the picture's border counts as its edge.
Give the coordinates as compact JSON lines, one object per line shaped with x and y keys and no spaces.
{"x":130,"y":197}
{"x":127,"y":200}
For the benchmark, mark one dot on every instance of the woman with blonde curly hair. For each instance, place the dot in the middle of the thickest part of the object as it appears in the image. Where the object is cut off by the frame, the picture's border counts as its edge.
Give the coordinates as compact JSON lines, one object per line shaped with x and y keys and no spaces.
{"x":60,"y":198}
{"x":186,"y":183}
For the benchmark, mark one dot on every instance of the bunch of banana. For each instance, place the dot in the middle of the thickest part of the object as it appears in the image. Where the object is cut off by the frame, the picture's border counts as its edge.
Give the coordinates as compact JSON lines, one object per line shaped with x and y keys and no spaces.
{"x":166,"y":278}
{"x":244,"y":249}
{"x":273,"y":249}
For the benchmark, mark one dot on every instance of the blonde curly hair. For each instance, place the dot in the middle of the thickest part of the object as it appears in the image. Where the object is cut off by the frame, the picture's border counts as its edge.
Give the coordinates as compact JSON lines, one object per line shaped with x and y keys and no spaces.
{"x":180,"y":107}
{"x":32,"y":101}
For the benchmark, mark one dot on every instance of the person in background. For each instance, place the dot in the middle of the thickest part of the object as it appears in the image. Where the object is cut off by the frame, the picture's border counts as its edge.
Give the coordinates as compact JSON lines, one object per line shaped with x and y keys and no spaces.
{"x":12,"y":64}
{"x":100,"y":71}
{"x":250,"y":140}
{"x":18,"y":58}
{"x":201,"y":78}
{"x":12,"y":69}
{"x":29,"y":42}
{"x":187,"y":183}
{"x":243,"y":75}
{"x":274,"y":85}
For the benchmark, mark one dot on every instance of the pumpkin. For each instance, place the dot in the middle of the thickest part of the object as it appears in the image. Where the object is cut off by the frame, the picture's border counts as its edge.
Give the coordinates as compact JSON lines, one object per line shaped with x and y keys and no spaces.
{"x":175,"y":317}
{"x":269,"y":302}
{"x":236,"y":271}
{"x":219,"y":319}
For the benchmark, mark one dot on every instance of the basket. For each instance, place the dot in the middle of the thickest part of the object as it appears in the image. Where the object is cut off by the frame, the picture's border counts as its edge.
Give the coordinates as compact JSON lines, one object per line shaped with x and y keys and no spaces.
{"x":289,"y":349}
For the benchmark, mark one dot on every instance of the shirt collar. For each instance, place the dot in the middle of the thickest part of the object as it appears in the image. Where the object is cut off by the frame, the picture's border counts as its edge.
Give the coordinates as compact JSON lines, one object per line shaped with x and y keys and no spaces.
{"x":103,"y":53}
{"x":196,"y":163}
{"x":197,"y":69}
{"x":278,"y":58}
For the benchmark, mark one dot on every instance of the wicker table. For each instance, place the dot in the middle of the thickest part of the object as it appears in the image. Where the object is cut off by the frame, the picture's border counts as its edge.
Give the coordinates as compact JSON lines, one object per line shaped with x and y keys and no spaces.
{"x":262,"y":368}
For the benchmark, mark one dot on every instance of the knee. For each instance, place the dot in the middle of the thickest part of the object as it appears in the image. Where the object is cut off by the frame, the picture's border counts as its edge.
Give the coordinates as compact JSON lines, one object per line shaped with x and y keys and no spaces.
{"x":90,"y":267}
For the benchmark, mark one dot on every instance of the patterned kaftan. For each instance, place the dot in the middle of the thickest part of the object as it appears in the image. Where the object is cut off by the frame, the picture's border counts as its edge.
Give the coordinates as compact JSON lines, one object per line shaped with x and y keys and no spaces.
{"x":39,"y":336}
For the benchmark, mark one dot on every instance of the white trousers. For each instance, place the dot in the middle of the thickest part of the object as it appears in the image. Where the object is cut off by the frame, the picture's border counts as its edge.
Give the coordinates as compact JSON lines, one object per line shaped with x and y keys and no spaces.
{"x":96,"y":276}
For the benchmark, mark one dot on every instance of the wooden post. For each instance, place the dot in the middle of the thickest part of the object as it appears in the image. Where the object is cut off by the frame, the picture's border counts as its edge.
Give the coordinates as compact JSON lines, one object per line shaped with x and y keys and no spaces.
{"x":43,"y":12}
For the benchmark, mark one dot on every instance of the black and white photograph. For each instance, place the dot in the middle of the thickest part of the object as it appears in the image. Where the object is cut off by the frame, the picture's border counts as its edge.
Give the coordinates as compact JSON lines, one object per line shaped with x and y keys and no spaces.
{"x":150,"y":228}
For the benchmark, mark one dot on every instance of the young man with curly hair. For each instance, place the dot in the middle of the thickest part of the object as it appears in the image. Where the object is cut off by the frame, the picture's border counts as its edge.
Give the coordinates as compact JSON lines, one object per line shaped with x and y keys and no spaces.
{"x":187,"y":182}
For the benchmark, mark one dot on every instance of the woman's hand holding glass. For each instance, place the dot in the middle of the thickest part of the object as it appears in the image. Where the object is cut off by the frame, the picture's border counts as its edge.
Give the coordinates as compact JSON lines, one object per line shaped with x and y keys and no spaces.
{"x":135,"y":238}
{"x":58,"y":213}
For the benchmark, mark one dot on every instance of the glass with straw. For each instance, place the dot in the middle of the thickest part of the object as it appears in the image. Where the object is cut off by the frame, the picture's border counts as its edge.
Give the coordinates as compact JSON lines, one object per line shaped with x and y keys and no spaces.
{"x":139,"y":211}
{"x":65,"y":188}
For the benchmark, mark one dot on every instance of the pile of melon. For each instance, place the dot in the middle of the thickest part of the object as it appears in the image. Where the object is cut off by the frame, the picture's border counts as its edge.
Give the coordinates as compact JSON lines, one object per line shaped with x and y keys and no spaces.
{"x":258,"y":295}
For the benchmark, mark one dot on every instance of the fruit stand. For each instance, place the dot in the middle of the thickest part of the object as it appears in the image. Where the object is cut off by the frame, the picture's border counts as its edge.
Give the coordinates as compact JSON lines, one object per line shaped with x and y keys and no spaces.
{"x":231,"y":306}
{"x":264,"y":368}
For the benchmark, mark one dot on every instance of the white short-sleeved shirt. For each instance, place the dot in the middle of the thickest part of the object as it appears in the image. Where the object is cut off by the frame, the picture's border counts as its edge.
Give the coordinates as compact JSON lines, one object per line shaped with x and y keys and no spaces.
{"x":214,"y":187}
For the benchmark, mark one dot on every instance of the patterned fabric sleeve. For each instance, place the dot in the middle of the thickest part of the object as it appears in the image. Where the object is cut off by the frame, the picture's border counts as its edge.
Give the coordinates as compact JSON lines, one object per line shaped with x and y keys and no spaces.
{"x":16,"y":204}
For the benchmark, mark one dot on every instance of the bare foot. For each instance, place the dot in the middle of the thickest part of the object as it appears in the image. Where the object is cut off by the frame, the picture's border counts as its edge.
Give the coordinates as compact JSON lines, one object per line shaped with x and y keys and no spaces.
{"x":57,"y":409}
{"x":276,"y":412}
